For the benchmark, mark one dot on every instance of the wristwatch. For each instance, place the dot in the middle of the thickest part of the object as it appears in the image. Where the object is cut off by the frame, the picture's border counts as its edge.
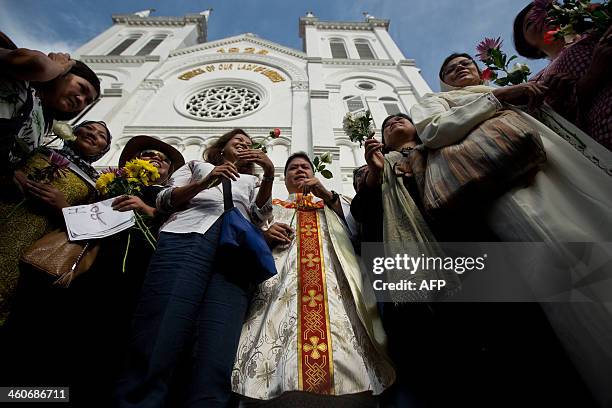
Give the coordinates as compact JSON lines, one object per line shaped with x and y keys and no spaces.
{"x":335,"y":197}
{"x":267,"y":178}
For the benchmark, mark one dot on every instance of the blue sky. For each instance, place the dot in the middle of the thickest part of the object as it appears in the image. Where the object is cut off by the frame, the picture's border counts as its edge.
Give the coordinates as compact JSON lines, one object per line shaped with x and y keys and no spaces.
{"x":426,"y":30}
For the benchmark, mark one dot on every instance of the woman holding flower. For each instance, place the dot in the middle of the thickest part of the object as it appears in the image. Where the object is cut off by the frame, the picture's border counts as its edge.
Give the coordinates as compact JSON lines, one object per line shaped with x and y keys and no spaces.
{"x":47,"y":182}
{"x":35,"y":89}
{"x":185,"y":297}
{"x":581,"y":68}
{"x":566,"y":199}
{"x":121,"y":264}
{"x":29,"y":208}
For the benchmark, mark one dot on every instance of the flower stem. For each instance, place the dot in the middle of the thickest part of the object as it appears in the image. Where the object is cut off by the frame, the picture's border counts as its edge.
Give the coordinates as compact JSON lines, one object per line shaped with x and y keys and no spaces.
{"x":127,"y":248}
{"x":144,"y":229}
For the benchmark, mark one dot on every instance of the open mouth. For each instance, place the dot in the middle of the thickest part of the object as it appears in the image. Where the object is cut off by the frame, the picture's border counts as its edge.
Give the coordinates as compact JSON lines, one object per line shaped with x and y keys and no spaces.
{"x":89,"y":139}
{"x":155,"y":163}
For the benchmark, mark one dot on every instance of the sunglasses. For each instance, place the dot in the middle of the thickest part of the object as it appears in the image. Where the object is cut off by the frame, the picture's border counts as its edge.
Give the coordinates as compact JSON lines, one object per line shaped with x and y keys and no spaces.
{"x":147,"y":154}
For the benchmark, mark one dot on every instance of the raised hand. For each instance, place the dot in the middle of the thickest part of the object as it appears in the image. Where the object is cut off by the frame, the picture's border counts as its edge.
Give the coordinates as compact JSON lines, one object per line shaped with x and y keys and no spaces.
{"x":130,"y":202}
{"x":375,"y":160}
{"x":314,"y":186}
{"x":258,"y":157}
{"x":226,"y":170}
{"x":62,"y":62}
{"x":531,"y":94}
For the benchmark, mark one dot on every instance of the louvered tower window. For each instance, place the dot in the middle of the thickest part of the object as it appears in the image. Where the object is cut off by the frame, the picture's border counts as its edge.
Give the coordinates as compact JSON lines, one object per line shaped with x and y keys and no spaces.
{"x":338,"y":50}
{"x":390,"y":105}
{"x":124,"y":45}
{"x":151,"y":45}
{"x":364,"y":50}
{"x":354,"y":103}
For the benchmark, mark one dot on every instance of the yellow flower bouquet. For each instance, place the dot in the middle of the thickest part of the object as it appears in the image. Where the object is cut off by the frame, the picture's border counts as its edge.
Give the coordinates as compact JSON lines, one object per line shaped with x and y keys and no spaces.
{"x":129,"y":180}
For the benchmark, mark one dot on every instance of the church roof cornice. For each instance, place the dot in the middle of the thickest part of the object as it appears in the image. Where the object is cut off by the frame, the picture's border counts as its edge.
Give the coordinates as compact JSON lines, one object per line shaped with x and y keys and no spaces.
{"x":236,"y":39}
{"x":159,"y":21}
{"x":369,"y":25}
{"x":357,"y":62}
{"x":118,"y":59}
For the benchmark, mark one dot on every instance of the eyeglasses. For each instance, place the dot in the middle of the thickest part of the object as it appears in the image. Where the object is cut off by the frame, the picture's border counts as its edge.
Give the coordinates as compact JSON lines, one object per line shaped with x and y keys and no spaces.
{"x":463,"y":64}
{"x":154,"y":153}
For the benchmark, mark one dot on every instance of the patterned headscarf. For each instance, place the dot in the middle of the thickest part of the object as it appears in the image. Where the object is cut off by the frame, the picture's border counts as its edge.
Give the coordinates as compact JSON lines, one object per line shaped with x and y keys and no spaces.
{"x":81,"y":161}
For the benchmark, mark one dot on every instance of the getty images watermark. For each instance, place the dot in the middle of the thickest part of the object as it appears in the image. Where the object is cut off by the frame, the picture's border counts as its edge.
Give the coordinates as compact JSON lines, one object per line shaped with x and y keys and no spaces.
{"x":490,"y":272}
{"x":413,"y":264}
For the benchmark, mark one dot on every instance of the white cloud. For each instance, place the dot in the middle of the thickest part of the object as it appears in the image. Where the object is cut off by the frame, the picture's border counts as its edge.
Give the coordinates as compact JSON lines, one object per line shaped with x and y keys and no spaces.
{"x":26,"y":35}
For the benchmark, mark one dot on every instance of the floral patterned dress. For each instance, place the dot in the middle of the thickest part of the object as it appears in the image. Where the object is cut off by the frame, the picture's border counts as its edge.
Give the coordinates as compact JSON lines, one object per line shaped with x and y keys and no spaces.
{"x":595,"y":120}
{"x":16,"y":144}
{"x":21,"y":224}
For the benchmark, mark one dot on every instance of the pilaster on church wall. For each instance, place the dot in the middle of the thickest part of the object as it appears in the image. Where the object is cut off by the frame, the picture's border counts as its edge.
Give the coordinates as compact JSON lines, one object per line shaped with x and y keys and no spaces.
{"x":391,"y":49}
{"x":413,"y":75}
{"x":313,"y":40}
{"x":300,"y":117}
{"x":96,"y":45}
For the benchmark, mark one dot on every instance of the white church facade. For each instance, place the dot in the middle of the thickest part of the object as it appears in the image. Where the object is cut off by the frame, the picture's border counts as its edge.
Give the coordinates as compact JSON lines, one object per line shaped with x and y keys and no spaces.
{"x":161,"y":77}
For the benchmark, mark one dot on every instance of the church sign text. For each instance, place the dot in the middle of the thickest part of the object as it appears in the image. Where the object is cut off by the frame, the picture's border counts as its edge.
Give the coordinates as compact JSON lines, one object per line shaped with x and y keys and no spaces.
{"x":248,"y":50}
{"x":271,"y":74}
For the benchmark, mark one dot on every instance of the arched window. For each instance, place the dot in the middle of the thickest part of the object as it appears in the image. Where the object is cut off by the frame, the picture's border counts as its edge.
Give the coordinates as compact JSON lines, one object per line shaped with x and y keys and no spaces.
{"x":364,"y":50}
{"x":354,"y":103}
{"x":124,"y":44}
{"x":338,"y":50}
{"x":152,"y":44}
{"x":390,"y":104}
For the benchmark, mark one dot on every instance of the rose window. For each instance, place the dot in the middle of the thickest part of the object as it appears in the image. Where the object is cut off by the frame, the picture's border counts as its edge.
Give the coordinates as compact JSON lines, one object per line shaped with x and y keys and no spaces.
{"x":221,"y":102}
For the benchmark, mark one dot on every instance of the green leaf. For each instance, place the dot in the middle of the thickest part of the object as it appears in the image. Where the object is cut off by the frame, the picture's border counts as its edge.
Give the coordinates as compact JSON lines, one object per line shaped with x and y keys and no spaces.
{"x":497,"y":57}
{"x":316,"y":161}
{"x":327,"y":174}
{"x":502,"y":81}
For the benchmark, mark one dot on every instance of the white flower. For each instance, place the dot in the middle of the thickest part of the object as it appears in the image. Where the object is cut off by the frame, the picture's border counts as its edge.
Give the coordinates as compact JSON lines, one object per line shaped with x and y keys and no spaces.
{"x":347,"y":123}
{"x":358,"y":126}
{"x":326,"y":158}
{"x":519,"y":67}
{"x":63,"y":130}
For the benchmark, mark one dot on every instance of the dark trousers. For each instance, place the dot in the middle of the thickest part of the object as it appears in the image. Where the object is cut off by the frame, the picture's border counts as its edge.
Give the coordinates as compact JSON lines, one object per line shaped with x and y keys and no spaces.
{"x":185,"y":301}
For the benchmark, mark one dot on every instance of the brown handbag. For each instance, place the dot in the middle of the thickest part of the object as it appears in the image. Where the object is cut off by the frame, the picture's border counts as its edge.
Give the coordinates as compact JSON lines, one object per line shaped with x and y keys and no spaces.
{"x":61,"y":258}
{"x":488,"y":162}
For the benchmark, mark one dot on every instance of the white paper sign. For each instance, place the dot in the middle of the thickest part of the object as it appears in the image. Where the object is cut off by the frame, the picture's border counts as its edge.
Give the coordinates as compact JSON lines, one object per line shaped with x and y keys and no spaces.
{"x":97,"y":220}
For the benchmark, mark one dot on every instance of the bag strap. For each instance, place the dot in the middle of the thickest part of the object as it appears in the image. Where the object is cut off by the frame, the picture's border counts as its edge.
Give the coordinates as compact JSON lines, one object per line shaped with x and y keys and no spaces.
{"x":228,"y":203}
